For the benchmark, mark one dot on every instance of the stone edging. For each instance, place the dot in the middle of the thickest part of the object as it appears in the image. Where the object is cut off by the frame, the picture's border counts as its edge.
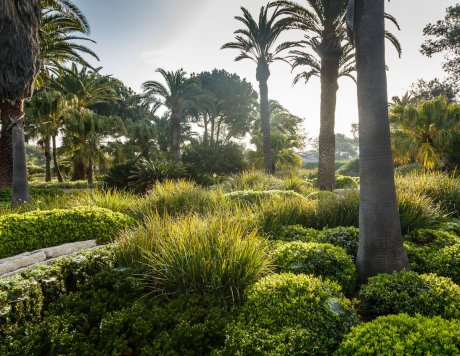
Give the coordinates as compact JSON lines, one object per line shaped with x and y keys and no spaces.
{"x":15,"y":264}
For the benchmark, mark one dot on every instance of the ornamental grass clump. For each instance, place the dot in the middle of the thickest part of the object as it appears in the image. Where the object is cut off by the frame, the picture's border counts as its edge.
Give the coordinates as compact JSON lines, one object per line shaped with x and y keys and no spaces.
{"x":196,"y":255}
{"x":403,"y":335}
{"x":411,"y":293}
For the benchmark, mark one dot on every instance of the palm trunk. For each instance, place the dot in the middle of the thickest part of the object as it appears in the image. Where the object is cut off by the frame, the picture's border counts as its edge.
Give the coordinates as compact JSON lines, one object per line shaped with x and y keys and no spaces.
{"x":89,"y":172}
{"x":6,"y":148}
{"x":380,"y":244}
{"x":175,"y":135}
{"x":20,"y":183}
{"x":78,"y":171}
{"x":55,"y":161}
{"x":329,"y":87}
{"x":265,"y":121}
{"x":47,"y":160}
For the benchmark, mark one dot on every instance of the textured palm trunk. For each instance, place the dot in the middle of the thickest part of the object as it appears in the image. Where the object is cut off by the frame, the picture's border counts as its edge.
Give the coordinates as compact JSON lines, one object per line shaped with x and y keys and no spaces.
{"x":380,"y":244}
{"x":89,"y":172}
{"x":47,"y":160}
{"x":55,"y":161}
{"x":20,"y":183}
{"x":175,"y":135}
{"x":6,"y":148}
{"x":329,"y":87}
{"x":265,"y":122}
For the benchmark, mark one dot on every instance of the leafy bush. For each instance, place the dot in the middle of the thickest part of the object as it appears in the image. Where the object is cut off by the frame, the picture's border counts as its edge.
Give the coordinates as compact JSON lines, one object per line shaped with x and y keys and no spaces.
{"x":446,"y":262}
{"x":344,"y":237}
{"x":351,"y":168}
{"x":411,"y":293}
{"x":256,"y":197}
{"x":191,"y":254}
{"x":403,"y":335}
{"x":452,"y":226}
{"x":39,"y":229}
{"x":322,"y":260}
{"x":432,"y":238}
{"x":219,"y":159}
{"x":297,"y":233}
{"x":315,"y":308}
{"x":346,"y":182}
{"x":118,"y":176}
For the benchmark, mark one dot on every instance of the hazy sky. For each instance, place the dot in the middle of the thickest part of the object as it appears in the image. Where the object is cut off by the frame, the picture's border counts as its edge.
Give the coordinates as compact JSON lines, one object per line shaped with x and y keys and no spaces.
{"x":136,"y":37}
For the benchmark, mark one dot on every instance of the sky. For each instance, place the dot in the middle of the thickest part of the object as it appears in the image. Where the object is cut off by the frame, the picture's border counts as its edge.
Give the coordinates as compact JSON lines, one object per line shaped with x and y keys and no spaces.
{"x":136,"y":37}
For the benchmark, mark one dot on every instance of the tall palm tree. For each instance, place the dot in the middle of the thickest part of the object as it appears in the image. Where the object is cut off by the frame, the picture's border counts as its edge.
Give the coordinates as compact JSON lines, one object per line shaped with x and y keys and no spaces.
{"x":19,"y":63}
{"x":424,"y":132}
{"x":177,"y":94}
{"x":380,"y":245}
{"x":325,"y":33}
{"x":256,"y":41}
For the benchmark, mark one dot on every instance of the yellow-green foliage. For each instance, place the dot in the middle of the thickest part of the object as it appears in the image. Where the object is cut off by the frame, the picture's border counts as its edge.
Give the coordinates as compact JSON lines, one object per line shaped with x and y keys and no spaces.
{"x":281,"y":302}
{"x":411,"y":293}
{"x":446,"y":262}
{"x":403,"y":335}
{"x":39,"y":229}
{"x":318,"y":259}
{"x":115,"y":200}
{"x":193,"y":254}
{"x":257,"y":196}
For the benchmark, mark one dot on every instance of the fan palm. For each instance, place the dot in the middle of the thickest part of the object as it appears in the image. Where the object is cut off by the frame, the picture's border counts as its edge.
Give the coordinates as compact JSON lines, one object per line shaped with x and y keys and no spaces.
{"x":325,"y":34}
{"x":257,"y":41}
{"x":176,"y":95}
{"x":19,"y":63}
{"x":425,"y":131}
{"x":380,"y":244}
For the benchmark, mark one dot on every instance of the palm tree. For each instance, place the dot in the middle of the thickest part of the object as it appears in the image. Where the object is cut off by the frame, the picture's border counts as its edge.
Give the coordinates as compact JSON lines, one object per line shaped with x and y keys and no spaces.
{"x":380,"y":244}
{"x":256,"y":41}
{"x":321,"y":21}
{"x":177,"y":95}
{"x":19,"y":63}
{"x":425,"y":131}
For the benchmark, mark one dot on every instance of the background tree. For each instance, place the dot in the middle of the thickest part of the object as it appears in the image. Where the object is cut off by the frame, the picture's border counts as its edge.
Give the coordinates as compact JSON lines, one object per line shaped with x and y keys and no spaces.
{"x":380,"y":245}
{"x":429,"y":90}
{"x":345,"y":148}
{"x":19,"y":63}
{"x":256,"y":41}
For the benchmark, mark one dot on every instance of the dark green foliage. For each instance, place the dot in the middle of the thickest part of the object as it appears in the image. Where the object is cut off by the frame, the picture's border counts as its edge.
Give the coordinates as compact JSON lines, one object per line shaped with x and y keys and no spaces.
{"x":39,"y":229}
{"x":411,"y":293}
{"x":323,"y":260}
{"x":403,"y":335}
{"x":220,"y":159}
{"x":446,"y":262}
{"x":256,"y":197}
{"x":118,"y":176}
{"x":315,"y":308}
{"x":452,"y":227}
{"x":433,"y":238}
{"x":344,"y":237}
{"x":297,"y":233}
{"x":351,"y":168}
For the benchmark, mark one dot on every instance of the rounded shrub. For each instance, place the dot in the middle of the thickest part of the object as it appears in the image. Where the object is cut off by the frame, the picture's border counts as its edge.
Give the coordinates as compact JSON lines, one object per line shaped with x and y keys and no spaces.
{"x":433,"y":238}
{"x":255,"y":197}
{"x":296,"y":233}
{"x":344,"y":237}
{"x":323,"y":260}
{"x":346,"y":182}
{"x":446,"y":262}
{"x":403,"y":335}
{"x":411,"y":293}
{"x":39,"y":229}
{"x":282,"y":301}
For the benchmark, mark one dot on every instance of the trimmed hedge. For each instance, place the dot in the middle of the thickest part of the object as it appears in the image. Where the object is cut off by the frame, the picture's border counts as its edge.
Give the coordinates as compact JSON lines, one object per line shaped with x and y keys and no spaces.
{"x":344,"y":237}
{"x":297,"y":233}
{"x":446,"y":262}
{"x":280,"y":303}
{"x":38,"y":229}
{"x":323,"y":260}
{"x":403,"y":335}
{"x":411,"y":293}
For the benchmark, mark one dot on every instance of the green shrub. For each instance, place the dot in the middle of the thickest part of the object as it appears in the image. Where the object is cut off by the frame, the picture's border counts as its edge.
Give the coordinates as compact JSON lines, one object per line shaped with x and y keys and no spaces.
{"x":39,"y":229}
{"x":192,"y":254}
{"x":252,"y":180}
{"x":409,"y":168}
{"x":297,"y":233}
{"x":256,"y":197}
{"x":351,"y":168}
{"x":411,"y":293}
{"x":323,"y":260}
{"x":452,"y":226}
{"x":283,"y":301}
{"x":346,"y":182}
{"x":344,"y":237}
{"x":446,"y":262}
{"x":118,"y":176}
{"x":433,"y":238}
{"x":403,"y":335}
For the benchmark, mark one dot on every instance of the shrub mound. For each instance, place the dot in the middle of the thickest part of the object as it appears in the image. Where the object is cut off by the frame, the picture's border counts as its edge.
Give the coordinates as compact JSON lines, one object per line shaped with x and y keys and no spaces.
{"x":323,"y":260}
{"x":312,"y":311}
{"x":403,"y":335}
{"x":346,"y":182}
{"x":296,"y":233}
{"x":411,"y":293}
{"x":39,"y":229}
{"x":344,"y":237}
{"x":446,"y":262}
{"x":255,"y":197}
